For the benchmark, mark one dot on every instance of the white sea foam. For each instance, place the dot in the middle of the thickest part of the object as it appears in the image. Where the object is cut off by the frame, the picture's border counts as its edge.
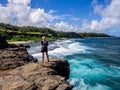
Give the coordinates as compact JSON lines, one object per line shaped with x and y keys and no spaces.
{"x":66,"y":47}
{"x":34,"y":49}
{"x":80,"y":84}
{"x":90,"y":71}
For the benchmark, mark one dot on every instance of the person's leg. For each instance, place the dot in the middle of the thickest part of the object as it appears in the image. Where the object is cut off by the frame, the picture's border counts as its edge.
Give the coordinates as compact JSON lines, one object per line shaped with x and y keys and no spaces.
{"x":43,"y":57}
{"x":47,"y":56}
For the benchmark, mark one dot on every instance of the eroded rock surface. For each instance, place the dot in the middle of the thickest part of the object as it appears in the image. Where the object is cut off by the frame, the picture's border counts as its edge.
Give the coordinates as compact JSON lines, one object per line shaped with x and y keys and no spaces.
{"x":37,"y":76}
{"x":13,"y":57}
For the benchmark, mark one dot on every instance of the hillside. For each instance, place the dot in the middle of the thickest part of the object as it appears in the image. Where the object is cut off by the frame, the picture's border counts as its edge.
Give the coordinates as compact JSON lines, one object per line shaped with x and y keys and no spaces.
{"x":25,"y":33}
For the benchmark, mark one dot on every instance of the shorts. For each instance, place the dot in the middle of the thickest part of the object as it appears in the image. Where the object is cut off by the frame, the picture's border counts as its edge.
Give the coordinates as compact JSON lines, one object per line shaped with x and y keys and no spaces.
{"x":44,"y":49}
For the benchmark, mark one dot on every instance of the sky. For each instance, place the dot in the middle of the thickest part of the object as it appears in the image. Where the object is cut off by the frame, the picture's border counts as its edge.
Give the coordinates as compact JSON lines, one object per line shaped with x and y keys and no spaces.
{"x":100,"y":16}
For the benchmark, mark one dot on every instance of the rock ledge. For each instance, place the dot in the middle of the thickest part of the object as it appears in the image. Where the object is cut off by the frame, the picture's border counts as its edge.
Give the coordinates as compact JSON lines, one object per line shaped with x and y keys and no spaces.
{"x":37,"y":76}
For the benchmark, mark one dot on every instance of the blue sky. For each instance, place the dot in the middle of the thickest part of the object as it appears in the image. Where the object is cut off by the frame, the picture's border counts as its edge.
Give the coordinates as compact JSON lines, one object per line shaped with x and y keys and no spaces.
{"x":81,"y":9}
{"x":101,"y":16}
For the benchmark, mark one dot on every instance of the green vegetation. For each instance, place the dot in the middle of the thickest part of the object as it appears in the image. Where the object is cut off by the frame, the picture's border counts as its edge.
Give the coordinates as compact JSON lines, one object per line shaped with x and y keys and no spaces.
{"x":25,"y":33}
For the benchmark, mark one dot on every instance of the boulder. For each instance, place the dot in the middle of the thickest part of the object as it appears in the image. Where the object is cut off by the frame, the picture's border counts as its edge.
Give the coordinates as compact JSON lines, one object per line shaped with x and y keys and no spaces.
{"x":36,"y":76}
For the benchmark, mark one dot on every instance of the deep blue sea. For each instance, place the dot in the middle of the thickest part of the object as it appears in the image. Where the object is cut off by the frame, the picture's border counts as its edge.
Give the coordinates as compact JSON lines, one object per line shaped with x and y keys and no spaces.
{"x":94,"y":62}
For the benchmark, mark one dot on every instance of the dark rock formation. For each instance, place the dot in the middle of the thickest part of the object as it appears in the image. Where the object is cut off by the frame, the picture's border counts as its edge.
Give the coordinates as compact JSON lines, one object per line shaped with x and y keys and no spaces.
{"x":59,"y":67}
{"x":37,"y":76}
{"x":14,"y":56}
{"x":3,"y":42}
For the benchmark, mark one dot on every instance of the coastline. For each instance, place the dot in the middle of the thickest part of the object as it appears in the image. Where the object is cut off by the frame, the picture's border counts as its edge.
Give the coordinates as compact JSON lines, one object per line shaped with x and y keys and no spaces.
{"x":32,"y":41}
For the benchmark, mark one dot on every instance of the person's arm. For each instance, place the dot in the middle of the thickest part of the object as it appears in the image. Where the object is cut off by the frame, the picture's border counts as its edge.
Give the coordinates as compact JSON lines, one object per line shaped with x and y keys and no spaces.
{"x":47,"y":43}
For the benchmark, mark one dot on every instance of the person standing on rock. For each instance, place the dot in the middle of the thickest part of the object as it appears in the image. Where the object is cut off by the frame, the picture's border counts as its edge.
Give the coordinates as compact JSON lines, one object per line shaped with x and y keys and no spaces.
{"x":44,"y":48}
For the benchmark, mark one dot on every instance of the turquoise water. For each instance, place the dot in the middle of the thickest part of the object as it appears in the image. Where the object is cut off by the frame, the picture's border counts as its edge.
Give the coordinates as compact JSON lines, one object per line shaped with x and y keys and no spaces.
{"x":94,"y":62}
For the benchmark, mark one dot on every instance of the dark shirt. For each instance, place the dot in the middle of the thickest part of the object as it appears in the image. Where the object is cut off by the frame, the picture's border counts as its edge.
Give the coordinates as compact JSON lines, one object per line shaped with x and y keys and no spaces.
{"x":44,"y":46}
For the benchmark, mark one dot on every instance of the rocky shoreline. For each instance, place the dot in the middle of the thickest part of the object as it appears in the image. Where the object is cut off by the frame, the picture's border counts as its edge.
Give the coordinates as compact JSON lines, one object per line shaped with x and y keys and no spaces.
{"x":20,"y":71}
{"x":37,"y":76}
{"x":14,"y":56}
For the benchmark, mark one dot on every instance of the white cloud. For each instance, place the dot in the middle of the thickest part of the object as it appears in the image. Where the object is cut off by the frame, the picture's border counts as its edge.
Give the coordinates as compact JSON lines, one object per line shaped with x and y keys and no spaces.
{"x":97,"y":8}
{"x":19,"y":2}
{"x":110,"y":16}
{"x":19,"y":12}
{"x":52,"y":11}
{"x":85,"y":25}
{"x":64,"y":26}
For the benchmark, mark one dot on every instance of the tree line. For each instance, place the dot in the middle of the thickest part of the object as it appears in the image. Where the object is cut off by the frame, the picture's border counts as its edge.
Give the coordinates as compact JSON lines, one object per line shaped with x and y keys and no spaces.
{"x":15,"y":33}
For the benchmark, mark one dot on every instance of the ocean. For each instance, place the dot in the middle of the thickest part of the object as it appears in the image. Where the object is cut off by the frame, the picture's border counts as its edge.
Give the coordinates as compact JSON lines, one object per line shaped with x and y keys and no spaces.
{"x":94,"y":62}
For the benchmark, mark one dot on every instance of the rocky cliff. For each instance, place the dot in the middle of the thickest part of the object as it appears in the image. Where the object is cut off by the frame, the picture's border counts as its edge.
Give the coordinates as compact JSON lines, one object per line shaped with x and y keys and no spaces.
{"x":37,"y":76}
{"x":19,"y":71}
{"x":13,"y":57}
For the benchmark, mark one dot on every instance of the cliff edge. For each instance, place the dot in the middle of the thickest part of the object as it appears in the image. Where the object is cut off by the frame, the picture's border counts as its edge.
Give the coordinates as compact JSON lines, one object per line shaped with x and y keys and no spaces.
{"x":37,"y":76}
{"x":20,"y":71}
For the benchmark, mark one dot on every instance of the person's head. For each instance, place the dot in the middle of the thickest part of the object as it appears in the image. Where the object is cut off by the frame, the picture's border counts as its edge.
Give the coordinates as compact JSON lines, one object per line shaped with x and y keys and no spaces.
{"x":43,"y":38}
